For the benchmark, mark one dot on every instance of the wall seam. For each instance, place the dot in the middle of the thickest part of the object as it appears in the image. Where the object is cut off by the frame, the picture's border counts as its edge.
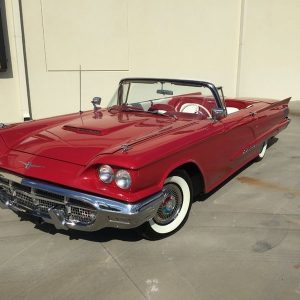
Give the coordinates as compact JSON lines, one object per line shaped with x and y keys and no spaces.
{"x":21,"y":59}
{"x":240,"y":48}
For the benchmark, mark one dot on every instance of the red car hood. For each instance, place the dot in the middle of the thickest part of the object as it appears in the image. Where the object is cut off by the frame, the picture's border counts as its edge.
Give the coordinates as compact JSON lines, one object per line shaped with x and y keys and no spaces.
{"x":82,"y":138}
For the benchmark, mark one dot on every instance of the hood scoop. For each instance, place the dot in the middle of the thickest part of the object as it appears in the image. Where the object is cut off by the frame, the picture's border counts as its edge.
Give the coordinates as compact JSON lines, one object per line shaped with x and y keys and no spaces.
{"x":82,"y":130}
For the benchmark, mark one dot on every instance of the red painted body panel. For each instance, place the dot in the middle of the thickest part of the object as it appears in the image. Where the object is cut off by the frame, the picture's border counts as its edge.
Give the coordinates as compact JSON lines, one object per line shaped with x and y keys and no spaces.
{"x":69,"y":149}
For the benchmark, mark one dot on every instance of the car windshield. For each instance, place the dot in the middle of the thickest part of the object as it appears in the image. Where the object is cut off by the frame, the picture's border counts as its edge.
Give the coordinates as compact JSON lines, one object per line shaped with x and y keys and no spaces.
{"x":162,"y":96}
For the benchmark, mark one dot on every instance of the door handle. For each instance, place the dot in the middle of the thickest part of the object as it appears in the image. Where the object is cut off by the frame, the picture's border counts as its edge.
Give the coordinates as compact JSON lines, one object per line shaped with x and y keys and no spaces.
{"x":253,"y":113}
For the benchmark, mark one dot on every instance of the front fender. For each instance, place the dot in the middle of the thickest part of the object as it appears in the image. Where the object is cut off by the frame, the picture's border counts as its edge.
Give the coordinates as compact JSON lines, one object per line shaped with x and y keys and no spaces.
{"x":3,"y":147}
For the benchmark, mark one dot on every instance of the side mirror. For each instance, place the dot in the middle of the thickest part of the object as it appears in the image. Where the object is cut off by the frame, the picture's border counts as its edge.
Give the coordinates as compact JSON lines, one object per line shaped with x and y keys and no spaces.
{"x":218,"y":114}
{"x":96,"y":102}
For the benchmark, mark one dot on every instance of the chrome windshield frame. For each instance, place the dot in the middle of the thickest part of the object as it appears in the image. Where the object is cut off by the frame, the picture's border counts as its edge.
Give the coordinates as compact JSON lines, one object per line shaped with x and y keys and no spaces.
{"x":184,"y":82}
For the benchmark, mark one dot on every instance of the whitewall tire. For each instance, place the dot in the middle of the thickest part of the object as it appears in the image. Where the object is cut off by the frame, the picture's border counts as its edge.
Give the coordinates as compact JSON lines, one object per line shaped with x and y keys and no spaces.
{"x":262,"y":152}
{"x":174,"y":211}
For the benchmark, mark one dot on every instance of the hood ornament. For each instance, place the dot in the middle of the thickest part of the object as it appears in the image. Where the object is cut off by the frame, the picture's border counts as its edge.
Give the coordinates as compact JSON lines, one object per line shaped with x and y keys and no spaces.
{"x":29,"y":165}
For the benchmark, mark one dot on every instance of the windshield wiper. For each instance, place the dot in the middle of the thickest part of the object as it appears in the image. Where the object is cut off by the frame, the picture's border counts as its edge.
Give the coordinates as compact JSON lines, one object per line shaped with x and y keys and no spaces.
{"x":125,"y":107}
{"x":129,"y":108}
{"x":157,"y":112}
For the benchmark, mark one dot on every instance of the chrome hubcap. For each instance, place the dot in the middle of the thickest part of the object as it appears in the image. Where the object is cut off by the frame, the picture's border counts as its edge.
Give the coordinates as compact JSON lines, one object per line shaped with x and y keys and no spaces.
{"x":171,"y":206}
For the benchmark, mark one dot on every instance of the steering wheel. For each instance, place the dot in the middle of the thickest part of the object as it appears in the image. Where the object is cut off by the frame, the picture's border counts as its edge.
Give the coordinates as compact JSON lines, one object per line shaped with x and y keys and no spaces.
{"x":195,"y":108}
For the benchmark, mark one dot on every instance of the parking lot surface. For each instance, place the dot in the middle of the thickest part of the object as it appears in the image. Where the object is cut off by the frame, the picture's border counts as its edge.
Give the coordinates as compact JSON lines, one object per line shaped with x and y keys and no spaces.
{"x":241,"y":242}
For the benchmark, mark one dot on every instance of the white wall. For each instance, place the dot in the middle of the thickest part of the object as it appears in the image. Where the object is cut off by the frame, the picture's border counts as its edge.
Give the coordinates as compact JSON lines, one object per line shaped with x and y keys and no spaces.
{"x":163,"y":38}
{"x":144,"y":38}
{"x":270,"y":61}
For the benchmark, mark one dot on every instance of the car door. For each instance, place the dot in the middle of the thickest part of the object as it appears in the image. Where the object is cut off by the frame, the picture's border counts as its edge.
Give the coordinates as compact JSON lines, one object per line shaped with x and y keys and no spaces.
{"x":228,"y":147}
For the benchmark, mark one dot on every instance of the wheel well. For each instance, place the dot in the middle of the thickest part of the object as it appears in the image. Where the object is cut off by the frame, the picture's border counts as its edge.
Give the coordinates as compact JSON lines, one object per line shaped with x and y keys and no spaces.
{"x":195,"y":176}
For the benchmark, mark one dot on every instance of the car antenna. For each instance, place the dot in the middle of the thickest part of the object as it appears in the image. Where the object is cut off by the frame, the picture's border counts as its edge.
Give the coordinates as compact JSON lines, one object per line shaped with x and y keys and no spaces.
{"x":80,"y":111}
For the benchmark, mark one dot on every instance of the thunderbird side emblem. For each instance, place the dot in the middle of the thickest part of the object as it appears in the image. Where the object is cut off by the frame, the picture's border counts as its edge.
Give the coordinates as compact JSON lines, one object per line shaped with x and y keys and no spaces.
{"x":29,"y":165}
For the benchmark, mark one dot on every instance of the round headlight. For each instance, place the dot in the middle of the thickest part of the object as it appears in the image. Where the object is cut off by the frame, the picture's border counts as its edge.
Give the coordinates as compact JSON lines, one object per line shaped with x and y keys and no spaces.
{"x":106,"y":174}
{"x":123,"y":179}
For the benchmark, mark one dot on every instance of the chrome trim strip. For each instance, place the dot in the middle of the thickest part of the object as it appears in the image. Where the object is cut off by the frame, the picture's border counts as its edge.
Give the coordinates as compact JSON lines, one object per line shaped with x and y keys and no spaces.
{"x":10,"y":176}
{"x":107,"y":212}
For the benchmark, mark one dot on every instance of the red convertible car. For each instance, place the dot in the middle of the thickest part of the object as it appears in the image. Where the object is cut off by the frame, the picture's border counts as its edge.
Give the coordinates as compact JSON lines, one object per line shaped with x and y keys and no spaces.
{"x":137,"y":163}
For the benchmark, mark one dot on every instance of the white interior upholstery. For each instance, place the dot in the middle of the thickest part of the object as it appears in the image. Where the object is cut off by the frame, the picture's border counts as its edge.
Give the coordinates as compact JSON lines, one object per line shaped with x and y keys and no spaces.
{"x":193,"y":108}
{"x":231,"y":110}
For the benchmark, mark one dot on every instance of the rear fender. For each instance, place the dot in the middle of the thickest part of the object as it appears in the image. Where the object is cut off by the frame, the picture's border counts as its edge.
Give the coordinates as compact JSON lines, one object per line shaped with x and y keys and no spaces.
{"x":276,"y":105}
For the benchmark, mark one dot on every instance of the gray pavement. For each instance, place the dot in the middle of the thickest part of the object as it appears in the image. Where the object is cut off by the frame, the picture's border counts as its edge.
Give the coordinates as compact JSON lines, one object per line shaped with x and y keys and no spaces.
{"x":241,"y":242}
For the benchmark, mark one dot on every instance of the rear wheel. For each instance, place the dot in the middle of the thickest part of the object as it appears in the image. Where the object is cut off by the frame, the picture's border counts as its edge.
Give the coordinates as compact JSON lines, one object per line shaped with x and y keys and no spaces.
{"x":174,"y":211}
{"x":262,"y":152}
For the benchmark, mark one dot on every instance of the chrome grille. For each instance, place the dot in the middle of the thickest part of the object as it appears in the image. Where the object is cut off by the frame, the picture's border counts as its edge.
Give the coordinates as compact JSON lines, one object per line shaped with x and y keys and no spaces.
{"x":4,"y":184}
{"x":24,"y":200}
{"x":83,"y":215}
{"x":21,"y":187}
{"x":49,"y":195}
{"x":44,"y":205}
{"x":40,"y":201}
{"x":4,"y":196}
{"x":4,"y":181}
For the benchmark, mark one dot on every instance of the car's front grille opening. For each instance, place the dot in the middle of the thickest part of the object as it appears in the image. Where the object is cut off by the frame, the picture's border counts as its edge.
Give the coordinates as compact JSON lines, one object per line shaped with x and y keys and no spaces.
{"x":24,"y":200}
{"x":4,"y":182}
{"x":79,"y":203}
{"x":4,"y":197}
{"x":40,"y":201}
{"x":49,"y":195}
{"x":82,"y":215}
{"x":21,"y":187}
{"x":44,"y":205}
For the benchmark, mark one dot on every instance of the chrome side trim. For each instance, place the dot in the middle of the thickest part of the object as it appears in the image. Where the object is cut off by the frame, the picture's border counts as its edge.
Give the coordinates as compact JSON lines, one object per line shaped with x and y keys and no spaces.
{"x":101,"y":211}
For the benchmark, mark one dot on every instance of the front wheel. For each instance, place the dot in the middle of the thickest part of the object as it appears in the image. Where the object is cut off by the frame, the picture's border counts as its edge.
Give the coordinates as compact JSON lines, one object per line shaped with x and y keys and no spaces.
{"x":174,"y":210}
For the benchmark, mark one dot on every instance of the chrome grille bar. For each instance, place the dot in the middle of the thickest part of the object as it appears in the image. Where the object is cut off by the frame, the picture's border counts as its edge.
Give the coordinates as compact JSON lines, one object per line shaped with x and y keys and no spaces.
{"x":67,"y":208}
{"x":34,"y":199}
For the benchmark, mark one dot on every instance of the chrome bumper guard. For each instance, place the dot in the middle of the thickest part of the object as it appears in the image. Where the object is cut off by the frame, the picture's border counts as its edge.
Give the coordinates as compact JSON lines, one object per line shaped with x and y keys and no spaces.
{"x":69,"y":209}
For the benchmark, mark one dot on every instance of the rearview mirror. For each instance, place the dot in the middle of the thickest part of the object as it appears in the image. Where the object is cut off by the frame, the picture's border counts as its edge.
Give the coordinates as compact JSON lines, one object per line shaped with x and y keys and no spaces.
{"x":218,"y":114}
{"x":164,"y":92}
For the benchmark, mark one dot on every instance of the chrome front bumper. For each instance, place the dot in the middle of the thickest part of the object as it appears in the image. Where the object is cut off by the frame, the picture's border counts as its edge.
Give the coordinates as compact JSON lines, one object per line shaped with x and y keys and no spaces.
{"x":69,"y":209}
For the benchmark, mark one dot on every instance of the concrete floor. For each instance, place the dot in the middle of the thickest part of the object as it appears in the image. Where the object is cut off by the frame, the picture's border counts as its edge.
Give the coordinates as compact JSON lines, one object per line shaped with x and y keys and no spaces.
{"x":242,"y":242}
